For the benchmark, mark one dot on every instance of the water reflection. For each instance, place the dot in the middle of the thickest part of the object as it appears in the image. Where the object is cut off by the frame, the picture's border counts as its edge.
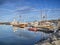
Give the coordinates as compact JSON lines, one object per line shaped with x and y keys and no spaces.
{"x":15,"y":29}
{"x":17,"y":36}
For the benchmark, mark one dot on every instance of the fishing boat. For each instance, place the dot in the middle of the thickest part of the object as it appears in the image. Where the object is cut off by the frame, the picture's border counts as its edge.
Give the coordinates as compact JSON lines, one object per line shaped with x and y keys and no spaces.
{"x":44,"y":27}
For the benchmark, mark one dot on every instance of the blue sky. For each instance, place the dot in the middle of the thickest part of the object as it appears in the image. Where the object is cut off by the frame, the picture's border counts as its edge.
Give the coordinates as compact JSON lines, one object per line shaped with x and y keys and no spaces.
{"x":29,"y":10}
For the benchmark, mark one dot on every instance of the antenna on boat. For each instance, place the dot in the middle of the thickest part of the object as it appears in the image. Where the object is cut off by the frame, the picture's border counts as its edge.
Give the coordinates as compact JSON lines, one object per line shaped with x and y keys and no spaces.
{"x":20,"y":18}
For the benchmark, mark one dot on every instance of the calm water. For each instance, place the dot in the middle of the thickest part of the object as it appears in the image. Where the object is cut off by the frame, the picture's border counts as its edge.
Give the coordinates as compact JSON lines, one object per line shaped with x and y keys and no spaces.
{"x":20,"y":37}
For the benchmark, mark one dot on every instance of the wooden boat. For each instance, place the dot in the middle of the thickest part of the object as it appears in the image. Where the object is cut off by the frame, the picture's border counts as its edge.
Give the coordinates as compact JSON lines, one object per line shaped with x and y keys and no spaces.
{"x":22,"y":25}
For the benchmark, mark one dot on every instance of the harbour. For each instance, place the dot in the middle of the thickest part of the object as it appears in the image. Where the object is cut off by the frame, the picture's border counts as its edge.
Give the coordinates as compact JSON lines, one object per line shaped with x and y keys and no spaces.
{"x":37,"y":28}
{"x":29,"y":22}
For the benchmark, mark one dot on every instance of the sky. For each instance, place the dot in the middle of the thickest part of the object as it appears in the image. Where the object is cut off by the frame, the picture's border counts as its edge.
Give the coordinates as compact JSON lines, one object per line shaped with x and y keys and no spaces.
{"x":28,"y":10}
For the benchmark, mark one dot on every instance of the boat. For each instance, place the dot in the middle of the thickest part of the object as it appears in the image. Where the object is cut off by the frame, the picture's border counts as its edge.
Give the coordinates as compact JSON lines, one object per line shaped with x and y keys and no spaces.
{"x":21,"y":25}
{"x":33,"y":29}
{"x":44,"y":27}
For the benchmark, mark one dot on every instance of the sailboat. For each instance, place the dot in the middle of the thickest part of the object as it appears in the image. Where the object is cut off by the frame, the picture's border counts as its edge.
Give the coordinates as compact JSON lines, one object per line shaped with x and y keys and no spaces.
{"x":19,"y":24}
{"x":44,"y":25}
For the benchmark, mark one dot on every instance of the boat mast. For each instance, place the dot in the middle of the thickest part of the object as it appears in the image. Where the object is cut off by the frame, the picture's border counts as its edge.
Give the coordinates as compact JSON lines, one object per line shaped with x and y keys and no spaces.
{"x":44,"y":15}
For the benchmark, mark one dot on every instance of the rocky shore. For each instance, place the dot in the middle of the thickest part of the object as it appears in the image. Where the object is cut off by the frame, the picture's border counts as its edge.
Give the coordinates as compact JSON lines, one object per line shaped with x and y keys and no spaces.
{"x":54,"y":39}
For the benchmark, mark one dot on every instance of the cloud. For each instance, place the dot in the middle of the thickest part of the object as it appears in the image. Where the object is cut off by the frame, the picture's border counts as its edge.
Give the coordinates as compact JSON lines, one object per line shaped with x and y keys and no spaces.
{"x":26,"y":9}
